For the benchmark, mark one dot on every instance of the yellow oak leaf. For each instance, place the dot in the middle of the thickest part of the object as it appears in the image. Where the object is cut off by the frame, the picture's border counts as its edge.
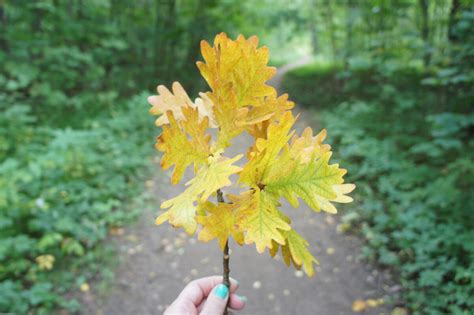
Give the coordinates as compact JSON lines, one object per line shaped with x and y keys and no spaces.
{"x":210,"y":178}
{"x":306,"y":147}
{"x":174,"y":101}
{"x":181,"y":212}
{"x":236,"y":71}
{"x":229,"y":116}
{"x":240,"y":63}
{"x":271,"y":107}
{"x":214,"y":176}
{"x":258,"y":130}
{"x":205,"y":107}
{"x":169,"y":101}
{"x":219,"y":223}
{"x":178,"y":149}
{"x":258,"y":216}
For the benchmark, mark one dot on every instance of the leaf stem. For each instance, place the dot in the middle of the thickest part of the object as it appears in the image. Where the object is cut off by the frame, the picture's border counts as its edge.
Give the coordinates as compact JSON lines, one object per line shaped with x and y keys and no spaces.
{"x":226,"y":257}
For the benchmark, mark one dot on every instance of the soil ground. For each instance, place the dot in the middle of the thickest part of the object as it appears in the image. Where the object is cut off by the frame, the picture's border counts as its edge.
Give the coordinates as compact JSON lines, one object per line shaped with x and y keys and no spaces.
{"x":155,"y":263}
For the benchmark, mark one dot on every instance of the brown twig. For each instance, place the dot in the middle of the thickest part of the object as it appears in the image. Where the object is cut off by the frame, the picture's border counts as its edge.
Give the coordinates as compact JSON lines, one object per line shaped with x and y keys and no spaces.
{"x":226,"y":257}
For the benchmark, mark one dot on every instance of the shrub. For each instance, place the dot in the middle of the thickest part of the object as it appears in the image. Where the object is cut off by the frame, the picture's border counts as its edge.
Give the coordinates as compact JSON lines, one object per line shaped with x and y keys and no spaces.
{"x":60,"y":192}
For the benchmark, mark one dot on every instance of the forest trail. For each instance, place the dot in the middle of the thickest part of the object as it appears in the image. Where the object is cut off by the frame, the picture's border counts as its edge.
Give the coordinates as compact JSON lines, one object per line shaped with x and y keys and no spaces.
{"x":157,"y":262}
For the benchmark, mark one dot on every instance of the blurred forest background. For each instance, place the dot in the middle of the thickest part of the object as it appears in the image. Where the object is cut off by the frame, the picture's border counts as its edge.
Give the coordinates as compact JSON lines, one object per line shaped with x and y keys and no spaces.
{"x":392,"y":81}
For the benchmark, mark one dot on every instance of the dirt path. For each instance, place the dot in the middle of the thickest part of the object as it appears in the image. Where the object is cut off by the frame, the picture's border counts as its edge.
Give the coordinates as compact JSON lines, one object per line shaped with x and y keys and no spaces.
{"x":156,"y":263}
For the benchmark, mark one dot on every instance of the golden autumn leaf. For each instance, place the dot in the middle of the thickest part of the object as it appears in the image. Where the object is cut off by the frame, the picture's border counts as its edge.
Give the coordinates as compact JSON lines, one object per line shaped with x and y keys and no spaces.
{"x":237,"y":72}
{"x":239,"y":64}
{"x":181,"y":212}
{"x":229,"y":116}
{"x":176,"y":135}
{"x":210,"y":178}
{"x":271,"y":107}
{"x":306,"y":147}
{"x":174,"y":101}
{"x":214,"y":176}
{"x":219,"y":223}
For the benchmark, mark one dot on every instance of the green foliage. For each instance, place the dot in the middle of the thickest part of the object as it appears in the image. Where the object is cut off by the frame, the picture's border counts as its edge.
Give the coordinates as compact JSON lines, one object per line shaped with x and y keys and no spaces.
{"x":60,"y":193}
{"x":415,"y":209}
{"x":406,"y":136}
{"x":72,"y":154}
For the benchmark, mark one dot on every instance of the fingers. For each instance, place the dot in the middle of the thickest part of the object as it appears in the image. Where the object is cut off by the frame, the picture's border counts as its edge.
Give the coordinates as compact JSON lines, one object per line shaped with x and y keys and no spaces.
{"x":197,"y":290}
{"x":216,"y":301}
{"x":237,"y":302}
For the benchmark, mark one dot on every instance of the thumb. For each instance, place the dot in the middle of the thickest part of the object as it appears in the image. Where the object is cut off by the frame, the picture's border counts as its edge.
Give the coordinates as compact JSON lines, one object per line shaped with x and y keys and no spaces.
{"x":216,"y":301}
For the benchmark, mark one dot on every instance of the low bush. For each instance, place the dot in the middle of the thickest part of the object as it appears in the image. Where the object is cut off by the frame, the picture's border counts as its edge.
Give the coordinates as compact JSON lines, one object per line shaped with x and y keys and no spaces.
{"x":407,"y":138}
{"x":60,"y":192}
{"x":413,"y":203}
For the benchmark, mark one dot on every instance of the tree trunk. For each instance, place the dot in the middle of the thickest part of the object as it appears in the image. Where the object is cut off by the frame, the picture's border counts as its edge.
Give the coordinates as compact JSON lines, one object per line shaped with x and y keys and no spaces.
{"x":350,"y":7}
{"x":425,"y":31}
{"x":453,"y":19}
{"x":313,"y":27}
{"x":330,"y":25}
{"x":3,"y":27}
{"x":165,"y":15}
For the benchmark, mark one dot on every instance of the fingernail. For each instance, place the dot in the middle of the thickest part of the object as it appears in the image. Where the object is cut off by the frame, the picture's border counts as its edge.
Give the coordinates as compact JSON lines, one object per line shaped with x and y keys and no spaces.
{"x":242,"y":298}
{"x":221,"y":291}
{"x":234,"y":280}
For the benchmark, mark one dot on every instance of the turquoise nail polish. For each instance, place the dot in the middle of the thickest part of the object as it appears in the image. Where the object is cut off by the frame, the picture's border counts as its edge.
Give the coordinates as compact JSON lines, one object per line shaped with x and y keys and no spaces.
{"x":221,"y":291}
{"x":242,"y":298}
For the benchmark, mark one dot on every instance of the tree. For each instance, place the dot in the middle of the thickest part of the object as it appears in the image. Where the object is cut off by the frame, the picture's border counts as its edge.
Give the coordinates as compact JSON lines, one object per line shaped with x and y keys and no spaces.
{"x":425,"y":30}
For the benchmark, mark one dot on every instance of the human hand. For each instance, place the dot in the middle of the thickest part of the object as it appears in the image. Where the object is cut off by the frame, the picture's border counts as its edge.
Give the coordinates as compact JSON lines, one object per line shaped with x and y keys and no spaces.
{"x":206,"y":296}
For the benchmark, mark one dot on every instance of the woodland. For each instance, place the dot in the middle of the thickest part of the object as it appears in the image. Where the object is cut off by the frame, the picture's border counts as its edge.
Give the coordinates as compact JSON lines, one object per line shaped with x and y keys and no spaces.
{"x":391,"y":80}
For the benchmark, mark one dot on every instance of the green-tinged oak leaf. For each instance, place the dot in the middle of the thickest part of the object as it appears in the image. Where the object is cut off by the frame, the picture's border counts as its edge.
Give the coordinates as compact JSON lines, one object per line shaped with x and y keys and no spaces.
{"x":300,"y":255}
{"x":314,"y":182}
{"x":265,"y":150}
{"x":259,"y":218}
{"x":295,"y":250}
